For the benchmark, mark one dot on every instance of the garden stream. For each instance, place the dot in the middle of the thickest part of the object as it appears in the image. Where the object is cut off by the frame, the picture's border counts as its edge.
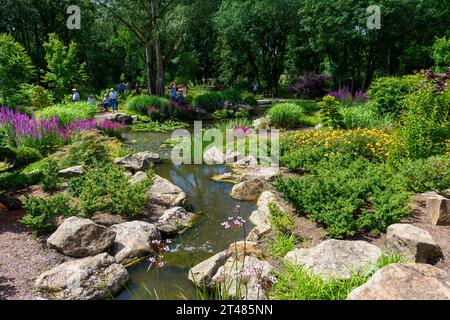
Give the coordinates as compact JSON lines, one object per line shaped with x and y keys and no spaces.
{"x":207,"y":237}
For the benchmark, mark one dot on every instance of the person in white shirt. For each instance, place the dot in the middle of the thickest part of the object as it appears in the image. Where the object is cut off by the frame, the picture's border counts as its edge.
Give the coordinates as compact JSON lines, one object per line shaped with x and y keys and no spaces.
{"x":113,"y":100}
{"x":75,"y":96}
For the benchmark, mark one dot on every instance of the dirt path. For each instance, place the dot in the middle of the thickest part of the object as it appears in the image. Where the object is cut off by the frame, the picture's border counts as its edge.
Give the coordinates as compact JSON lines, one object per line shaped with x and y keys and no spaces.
{"x":22,"y":258}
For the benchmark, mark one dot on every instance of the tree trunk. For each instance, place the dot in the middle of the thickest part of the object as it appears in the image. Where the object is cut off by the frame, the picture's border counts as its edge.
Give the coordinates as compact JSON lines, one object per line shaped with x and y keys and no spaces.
{"x":159,"y":59}
{"x":151,"y":88}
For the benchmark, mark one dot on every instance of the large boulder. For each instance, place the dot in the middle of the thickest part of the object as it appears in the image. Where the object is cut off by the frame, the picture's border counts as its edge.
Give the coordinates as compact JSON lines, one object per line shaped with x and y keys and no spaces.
{"x":174,"y":221}
{"x":108,"y":219}
{"x":138,"y":177}
{"x":91,"y":278}
{"x":134,"y":241}
{"x":246,"y":279}
{"x":405,"y":282}
{"x":249,"y":161}
{"x":202,"y":274}
{"x":166,"y":193}
{"x":214,"y":156}
{"x":261,"y":217}
{"x":124,"y":119}
{"x":438,"y":209}
{"x":337,"y":259}
{"x":249,"y":190}
{"x":261,"y":124}
{"x":138,"y":162}
{"x":71,"y":172}
{"x":80,"y":238}
{"x":228,"y":177}
{"x":412,"y":243}
{"x":263,"y":173}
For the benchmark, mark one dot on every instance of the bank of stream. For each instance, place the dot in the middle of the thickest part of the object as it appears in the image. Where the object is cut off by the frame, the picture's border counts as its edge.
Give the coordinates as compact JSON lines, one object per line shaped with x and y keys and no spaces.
{"x":207,"y":237}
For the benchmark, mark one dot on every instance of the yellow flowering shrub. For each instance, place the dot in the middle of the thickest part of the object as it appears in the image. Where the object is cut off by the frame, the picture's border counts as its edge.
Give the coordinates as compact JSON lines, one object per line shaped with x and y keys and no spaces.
{"x":303,"y":148}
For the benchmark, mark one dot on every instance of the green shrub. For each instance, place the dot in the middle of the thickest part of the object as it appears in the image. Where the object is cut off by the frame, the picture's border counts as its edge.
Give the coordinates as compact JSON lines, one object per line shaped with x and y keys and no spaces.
{"x":286,"y":115}
{"x":91,"y":148}
{"x":104,"y":188}
{"x":210,"y":101}
{"x":16,"y":181}
{"x":425,"y":125}
{"x":223,"y":114}
{"x":282,"y":222}
{"x":40,"y":211}
{"x":441,"y":54}
{"x":365,"y":116}
{"x":50,"y":180}
{"x":282,"y":244}
{"x":331,"y":113}
{"x":67,"y":113}
{"x":423,"y":175}
{"x":387,"y":93}
{"x":242,"y":114}
{"x":251,"y":101}
{"x":231,"y":95}
{"x":347,"y":197}
{"x":141,"y":104}
{"x":299,"y":283}
{"x":25,"y":156}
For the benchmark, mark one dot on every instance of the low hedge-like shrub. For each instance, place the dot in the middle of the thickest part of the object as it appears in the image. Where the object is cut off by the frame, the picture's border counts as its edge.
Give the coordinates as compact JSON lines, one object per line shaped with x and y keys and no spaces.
{"x":143,"y":103}
{"x":387,"y":93}
{"x":286,"y":115}
{"x":67,"y":113}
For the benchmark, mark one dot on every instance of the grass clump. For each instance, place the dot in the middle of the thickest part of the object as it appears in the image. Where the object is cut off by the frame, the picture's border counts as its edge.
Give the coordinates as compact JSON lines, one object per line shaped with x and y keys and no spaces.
{"x":299,"y":283}
{"x":68,"y":113}
{"x":286,"y":115}
{"x":143,"y":103}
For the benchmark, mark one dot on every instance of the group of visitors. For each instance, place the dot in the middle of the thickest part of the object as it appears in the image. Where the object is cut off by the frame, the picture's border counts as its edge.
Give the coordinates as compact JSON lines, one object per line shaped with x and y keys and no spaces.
{"x":176,"y":94}
{"x":109,"y":100}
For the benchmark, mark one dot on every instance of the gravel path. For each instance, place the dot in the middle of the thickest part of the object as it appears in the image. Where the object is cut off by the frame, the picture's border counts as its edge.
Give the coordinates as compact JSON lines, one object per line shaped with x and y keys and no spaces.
{"x":22,"y":258}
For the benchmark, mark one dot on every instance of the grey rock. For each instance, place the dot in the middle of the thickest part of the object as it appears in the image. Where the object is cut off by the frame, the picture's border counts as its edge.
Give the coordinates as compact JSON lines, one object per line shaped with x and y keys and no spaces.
{"x":174,"y":221}
{"x":337,"y":259}
{"x":412,"y":243}
{"x":71,"y":172}
{"x":80,"y":238}
{"x":166,"y":193}
{"x":405,"y":282}
{"x":91,"y":278}
{"x":134,"y":241}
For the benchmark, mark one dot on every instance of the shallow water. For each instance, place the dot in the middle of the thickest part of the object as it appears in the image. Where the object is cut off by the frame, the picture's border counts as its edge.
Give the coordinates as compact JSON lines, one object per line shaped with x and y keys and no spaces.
{"x":207,"y":237}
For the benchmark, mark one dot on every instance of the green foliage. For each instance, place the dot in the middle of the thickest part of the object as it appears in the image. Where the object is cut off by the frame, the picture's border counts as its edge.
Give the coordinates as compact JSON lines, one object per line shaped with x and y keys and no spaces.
{"x":210,"y":101}
{"x":286,"y":115}
{"x":299,"y":283}
{"x":40,"y":211}
{"x":40,"y":97}
{"x":50,"y":178}
{"x":282,"y":222}
{"x":365,"y":116}
{"x":141,"y":104}
{"x":423,"y":175}
{"x":232,"y":96}
{"x":223,"y":114}
{"x":441,"y":54}
{"x":331,"y":113}
{"x":13,"y":181}
{"x":387,"y":93}
{"x":16,"y":67}
{"x":64,"y":70}
{"x":155,"y":126}
{"x":67,"y":113}
{"x":23,"y":156}
{"x":91,"y":148}
{"x":282,"y":244}
{"x":349,"y":197}
{"x":251,"y":101}
{"x":104,"y":188}
{"x":425,"y":129}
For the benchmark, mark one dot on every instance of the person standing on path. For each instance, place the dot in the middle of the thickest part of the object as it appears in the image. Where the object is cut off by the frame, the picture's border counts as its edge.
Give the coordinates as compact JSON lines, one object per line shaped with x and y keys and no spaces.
{"x":173,"y":92}
{"x":75,"y":95}
{"x":113,"y":100}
